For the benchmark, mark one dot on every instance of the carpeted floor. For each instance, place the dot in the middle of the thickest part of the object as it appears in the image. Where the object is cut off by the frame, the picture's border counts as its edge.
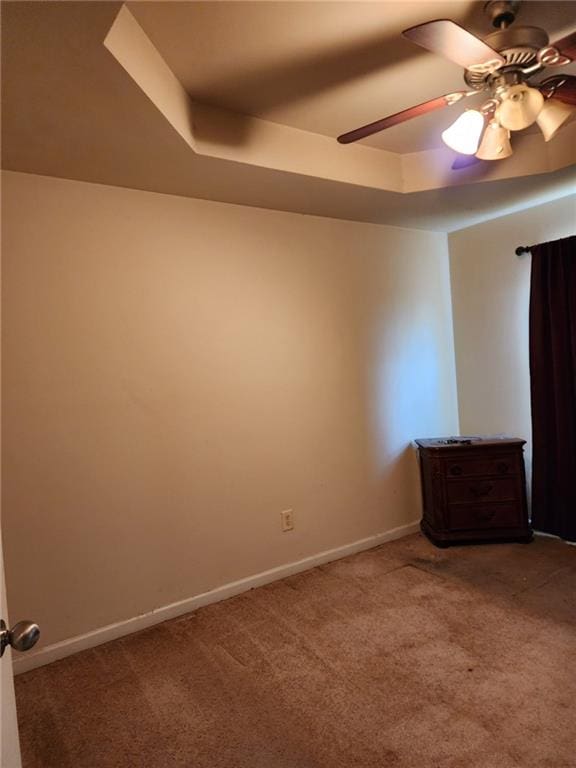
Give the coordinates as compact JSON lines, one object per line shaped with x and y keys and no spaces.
{"x":405,"y":656}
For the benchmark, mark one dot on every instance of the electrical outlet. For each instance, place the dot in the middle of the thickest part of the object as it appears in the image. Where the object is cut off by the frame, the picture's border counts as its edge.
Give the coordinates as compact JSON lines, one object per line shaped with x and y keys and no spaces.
{"x":287,"y":520}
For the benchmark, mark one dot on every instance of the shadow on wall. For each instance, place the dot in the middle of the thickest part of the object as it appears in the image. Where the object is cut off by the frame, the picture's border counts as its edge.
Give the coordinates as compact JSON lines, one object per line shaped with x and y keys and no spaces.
{"x":410,"y":387}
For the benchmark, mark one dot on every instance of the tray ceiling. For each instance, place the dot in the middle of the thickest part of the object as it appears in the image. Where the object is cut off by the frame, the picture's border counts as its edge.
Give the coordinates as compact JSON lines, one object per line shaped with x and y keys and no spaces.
{"x":115,"y":94}
{"x":324,"y":67}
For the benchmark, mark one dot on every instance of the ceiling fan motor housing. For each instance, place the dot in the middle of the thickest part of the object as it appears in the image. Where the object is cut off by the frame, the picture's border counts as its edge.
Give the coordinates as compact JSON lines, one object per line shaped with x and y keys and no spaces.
{"x":518,"y":45}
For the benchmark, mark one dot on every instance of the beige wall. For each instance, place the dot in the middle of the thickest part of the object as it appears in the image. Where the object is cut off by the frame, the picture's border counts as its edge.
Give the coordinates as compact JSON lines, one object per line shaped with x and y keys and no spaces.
{"x":177,"y":372}
{"x":490,"y":294}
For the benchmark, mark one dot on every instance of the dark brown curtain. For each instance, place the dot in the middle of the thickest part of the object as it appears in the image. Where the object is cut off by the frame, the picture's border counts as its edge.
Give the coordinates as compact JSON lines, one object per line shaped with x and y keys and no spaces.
{"x":553,"y":387}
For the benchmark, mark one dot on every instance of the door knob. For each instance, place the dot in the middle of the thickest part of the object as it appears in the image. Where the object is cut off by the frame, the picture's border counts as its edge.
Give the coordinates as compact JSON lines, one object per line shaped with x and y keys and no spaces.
{"x":21,"y":637}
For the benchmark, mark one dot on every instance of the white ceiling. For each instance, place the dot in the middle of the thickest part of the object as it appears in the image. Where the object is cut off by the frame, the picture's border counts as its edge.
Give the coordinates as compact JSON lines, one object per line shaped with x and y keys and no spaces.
{"x":70,"y":110}
{"x":324,"y":67}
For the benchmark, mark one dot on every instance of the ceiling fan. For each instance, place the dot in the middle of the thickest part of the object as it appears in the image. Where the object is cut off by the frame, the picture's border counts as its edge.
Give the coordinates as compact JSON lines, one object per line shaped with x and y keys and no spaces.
{"x":501,"y":66}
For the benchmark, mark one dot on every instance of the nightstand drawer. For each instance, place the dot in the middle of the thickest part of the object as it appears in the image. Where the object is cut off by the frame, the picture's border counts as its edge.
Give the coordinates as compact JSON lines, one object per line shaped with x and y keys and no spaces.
{"x":473,"y":517}
{"x":483,"y":489}
{"x":500,"y":466}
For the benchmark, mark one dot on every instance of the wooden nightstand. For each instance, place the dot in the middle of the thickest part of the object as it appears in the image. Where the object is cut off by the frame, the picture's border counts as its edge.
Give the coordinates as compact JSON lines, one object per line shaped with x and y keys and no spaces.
{"x":473,"y":489}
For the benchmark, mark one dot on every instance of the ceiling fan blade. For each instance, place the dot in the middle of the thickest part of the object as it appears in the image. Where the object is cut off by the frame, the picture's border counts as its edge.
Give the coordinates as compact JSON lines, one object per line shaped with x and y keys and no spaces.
{"x":567,"y":45}
{"x":561,"y":87}
{"x":401,"y":117}
{"x":455,"y":43}
{"x":465,"y":161}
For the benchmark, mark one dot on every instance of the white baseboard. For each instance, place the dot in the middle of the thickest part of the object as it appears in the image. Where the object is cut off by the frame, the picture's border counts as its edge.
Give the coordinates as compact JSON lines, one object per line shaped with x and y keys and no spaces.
{"x":60,"y":650}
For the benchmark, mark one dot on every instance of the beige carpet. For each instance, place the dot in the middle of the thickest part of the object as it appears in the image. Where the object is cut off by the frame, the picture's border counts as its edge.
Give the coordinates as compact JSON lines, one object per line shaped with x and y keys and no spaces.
{"x":402,"y":657}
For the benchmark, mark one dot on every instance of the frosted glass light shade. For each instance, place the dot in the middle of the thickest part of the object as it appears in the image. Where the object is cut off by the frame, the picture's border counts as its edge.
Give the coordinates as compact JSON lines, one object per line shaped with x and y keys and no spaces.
{"x":520,"y":107}
{"x":552,"y":116}
{"x":464,"y":134}
{"x":495,"y":144}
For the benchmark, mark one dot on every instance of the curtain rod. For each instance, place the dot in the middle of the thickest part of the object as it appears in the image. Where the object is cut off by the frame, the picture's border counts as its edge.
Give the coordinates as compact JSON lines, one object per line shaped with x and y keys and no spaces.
{"x":528,"y":248}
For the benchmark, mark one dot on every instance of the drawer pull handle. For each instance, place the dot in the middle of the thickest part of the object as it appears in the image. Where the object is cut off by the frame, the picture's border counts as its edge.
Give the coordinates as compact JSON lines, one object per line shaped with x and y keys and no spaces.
{"x":481,"y":490}
{"x":455,"y":470}
{"x":502,"y":467}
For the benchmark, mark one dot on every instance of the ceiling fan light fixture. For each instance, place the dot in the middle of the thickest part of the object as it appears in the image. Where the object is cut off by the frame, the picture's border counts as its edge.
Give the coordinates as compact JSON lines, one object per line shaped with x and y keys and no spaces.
{"x":552,"y":116}
{"x":520,"y":107}
{"x":464,"y":133}
{"x":495,"y":144}
{"x":501,"y":66}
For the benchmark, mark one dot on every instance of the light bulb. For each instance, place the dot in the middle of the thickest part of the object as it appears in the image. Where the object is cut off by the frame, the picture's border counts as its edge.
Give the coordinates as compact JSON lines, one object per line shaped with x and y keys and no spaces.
{"x":552,"y":116}
{"x":495,"y":144}
{"x":464,"y":134}
{"x":520,"y":107}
